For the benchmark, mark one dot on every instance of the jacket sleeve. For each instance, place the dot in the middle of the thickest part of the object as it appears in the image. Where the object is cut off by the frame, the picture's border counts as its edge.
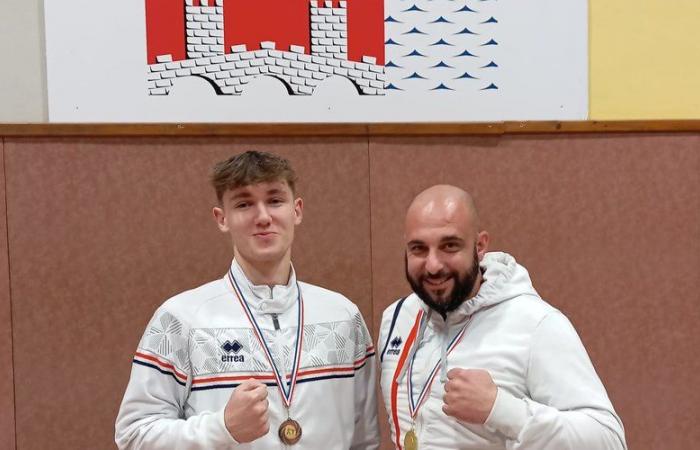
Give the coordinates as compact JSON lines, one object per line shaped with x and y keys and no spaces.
{"x":366,"y":435}
{"x":152,"y":414}
{"x":568,"y":408}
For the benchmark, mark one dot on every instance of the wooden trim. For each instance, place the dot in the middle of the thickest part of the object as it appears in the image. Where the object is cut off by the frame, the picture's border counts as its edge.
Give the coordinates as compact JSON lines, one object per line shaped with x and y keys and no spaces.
{"x":345,"y":129}
{"x":182,"y":129}
{"x":449,"y":129}
{"x":600,"y":126}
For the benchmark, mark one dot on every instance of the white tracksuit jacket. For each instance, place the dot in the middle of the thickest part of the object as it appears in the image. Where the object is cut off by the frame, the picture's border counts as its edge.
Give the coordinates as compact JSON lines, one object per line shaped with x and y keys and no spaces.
{"x":200,"y":345}
{"x":549,"y":395}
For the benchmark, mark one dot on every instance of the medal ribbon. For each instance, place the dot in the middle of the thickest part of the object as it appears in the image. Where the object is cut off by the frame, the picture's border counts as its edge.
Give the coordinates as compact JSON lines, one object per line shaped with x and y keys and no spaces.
{"x":414,"y":406}
{"x":395,"y":380}
{"x":411,"y":340}
{"x":288,"y":391}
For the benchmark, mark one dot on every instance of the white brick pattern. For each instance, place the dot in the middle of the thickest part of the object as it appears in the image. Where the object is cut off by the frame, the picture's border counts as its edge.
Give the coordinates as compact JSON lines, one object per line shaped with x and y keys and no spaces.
{"x":301,"y":73}
{"x":329,"y":29}
{"x":205,"y":29}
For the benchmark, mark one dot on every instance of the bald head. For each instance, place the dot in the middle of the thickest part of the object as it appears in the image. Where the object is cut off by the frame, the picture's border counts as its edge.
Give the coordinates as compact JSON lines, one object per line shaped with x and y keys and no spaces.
{"x":443,"y":247}
{"x":441,"y":204}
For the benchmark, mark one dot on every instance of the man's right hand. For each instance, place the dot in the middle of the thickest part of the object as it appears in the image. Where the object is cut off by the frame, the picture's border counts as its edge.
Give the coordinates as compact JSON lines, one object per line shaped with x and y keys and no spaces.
{"x":245,"y":414}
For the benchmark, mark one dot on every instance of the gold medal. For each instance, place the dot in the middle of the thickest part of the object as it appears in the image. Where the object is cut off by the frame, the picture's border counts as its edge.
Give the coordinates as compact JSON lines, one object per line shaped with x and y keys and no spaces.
{"x":410,"y":440}
{"x":290,"y":432}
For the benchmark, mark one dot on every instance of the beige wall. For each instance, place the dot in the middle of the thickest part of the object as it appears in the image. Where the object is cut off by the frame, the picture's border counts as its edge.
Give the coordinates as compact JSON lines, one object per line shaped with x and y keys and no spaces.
{"x":102,"y":230}
{"x":22,"y":72}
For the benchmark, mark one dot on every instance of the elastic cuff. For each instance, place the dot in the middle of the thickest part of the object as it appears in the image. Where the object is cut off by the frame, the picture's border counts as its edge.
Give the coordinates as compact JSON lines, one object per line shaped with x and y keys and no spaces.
{"x":222,"y":430}
{"x":508,"y":415}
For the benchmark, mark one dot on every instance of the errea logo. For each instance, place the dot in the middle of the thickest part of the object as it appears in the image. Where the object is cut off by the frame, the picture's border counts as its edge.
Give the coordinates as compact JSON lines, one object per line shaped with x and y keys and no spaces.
{"x":232,"y":349}
{"x":394,"y":346}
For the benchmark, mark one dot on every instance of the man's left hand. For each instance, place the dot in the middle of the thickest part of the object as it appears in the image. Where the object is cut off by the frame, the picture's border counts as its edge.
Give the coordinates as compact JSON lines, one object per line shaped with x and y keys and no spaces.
{"x":469,"y":395}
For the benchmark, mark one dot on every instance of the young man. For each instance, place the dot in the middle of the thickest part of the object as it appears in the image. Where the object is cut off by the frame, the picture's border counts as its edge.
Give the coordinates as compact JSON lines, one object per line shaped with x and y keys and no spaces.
{"x":474,"y":358}
{"x":256,"y":359}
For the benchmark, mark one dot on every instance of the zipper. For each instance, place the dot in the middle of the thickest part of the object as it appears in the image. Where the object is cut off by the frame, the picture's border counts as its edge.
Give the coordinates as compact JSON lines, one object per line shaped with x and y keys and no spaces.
{"x":443,"y":356}
{"x":280,"y":361}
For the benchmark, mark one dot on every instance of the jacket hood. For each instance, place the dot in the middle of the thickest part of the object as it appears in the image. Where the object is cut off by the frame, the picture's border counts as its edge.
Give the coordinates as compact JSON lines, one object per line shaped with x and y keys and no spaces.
{"x":503,"y":279}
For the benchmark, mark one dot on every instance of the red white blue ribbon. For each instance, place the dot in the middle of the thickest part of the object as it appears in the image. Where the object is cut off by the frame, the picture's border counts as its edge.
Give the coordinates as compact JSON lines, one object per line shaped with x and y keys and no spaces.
{"x":414,"y":405}
{"x":412,"y":337}
{"x":286,"y":389}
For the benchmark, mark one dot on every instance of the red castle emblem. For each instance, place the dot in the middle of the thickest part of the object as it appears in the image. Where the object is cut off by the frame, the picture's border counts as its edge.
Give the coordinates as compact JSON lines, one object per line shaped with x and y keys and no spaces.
{"x":299,"y":42}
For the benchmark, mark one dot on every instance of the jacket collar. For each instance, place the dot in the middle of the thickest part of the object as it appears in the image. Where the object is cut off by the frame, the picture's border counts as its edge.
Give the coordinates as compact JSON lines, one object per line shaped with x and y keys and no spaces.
{"x":266,"y":299}
{"x":502,"y":279}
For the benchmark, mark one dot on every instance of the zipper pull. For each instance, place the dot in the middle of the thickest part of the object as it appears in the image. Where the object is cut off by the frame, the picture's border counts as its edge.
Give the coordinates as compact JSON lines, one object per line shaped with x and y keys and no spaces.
{"x":275,"y":322}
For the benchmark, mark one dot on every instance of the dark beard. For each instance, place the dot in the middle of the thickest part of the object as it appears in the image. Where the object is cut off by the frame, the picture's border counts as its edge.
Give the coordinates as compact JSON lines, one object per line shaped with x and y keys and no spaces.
{"x":462,"y":287}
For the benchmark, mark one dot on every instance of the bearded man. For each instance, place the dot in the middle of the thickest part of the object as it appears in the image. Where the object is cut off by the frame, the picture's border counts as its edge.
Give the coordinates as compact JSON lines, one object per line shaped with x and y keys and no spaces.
{"x":474,"y":358}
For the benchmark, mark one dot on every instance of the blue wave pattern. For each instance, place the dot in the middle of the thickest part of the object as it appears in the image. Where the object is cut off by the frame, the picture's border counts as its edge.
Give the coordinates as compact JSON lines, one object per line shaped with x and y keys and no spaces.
{"x":442,"y":45}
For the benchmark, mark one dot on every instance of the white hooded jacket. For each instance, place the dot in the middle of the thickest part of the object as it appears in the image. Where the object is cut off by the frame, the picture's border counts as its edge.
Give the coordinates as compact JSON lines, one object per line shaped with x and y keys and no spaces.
{"x":549,"y":395}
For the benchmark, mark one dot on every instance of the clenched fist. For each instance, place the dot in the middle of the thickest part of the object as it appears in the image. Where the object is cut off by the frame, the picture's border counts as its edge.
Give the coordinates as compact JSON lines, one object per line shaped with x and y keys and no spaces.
{"x":469,"y":395}
{"x":245,"y":414}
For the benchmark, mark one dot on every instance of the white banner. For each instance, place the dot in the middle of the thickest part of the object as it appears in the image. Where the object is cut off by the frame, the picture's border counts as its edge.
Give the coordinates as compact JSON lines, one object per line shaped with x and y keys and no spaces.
{"x":442,"y":60}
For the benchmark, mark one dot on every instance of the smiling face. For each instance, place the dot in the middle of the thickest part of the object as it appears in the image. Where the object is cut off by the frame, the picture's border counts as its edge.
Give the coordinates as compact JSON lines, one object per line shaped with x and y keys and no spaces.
{"x":445,"y":289}
{"x":260,"y":219}
{"x":443,"y":248}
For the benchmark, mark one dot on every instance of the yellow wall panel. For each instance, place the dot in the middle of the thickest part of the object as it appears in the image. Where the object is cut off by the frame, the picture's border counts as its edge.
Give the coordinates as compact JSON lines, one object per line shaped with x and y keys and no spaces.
{"x":645,"y":59}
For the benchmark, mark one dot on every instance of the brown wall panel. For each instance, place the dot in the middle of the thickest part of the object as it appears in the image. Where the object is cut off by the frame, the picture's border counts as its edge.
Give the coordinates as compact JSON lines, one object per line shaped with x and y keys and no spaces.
{"x":609,"y":228}
{"x":101,"y":231}
{"x":7,"y":402}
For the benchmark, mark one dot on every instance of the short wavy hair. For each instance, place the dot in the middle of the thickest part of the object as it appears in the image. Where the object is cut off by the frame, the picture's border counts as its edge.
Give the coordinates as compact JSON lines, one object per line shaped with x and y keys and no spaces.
{"x":251,"y":167}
